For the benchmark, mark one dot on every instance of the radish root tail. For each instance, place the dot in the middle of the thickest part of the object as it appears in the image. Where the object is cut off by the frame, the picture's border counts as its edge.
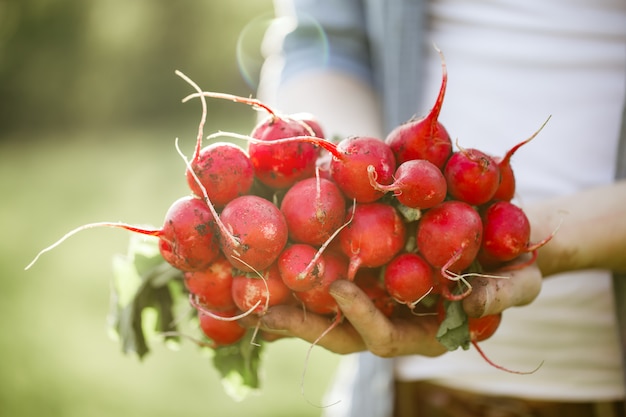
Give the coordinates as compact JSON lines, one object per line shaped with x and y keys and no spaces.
{"x":502,"y":368}
{"x":336,"y":321}
{"x":149,"y":232}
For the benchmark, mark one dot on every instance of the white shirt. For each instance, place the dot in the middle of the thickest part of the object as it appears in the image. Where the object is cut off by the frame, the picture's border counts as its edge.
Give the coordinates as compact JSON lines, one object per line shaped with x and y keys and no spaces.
{"x":516,"y":63}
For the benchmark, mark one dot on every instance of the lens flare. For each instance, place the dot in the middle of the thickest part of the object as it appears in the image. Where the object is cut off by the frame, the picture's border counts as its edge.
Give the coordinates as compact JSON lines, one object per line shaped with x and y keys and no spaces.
{"x":262,"y":37}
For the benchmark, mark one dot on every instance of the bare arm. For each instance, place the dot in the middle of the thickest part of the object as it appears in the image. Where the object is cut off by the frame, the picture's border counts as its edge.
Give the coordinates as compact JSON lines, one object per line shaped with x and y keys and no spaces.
{"x":592,"y":232}
{"x":589,"y":233}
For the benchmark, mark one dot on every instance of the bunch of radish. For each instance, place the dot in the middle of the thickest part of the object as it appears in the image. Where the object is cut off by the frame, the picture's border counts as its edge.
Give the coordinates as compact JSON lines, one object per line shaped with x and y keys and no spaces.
{"x":409,"y":218}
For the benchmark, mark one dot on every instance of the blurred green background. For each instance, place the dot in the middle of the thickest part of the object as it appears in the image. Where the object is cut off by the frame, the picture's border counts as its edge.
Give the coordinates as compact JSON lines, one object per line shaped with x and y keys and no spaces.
{"x":89,"y":110}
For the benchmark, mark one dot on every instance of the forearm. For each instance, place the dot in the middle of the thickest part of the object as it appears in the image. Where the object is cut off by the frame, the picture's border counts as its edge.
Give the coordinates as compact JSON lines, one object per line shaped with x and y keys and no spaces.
{"x":590,"y":230}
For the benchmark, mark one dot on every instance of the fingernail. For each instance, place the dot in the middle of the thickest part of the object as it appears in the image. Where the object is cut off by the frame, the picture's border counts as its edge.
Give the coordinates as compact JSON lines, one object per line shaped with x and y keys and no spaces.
{"x":479,"y":302}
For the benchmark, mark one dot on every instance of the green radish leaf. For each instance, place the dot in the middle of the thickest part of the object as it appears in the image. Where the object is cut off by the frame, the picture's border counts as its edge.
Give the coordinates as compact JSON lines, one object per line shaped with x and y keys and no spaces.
{"x":144,"y":293}
{"x":453,"y":331}
{"x":239,"y":365}
{"x":142,"y":296}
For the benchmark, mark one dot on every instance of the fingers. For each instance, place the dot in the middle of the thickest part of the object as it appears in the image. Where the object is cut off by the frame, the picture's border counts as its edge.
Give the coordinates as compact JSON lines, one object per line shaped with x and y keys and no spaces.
{"x":491,"y":295}
{"x":364,"y":327}
{"x":358,"y":309}
{"x":380,"y":335}
{"x":292,"y":321}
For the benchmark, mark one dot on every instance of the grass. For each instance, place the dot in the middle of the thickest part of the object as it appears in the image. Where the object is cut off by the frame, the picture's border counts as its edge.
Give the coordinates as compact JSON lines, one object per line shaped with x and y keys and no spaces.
{"x":56,"y":356}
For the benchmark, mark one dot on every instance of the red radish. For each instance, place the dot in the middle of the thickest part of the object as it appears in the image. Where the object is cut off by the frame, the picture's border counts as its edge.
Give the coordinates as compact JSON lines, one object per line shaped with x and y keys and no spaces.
{"x":221,"y":332}
{"x":449,"y":237}
{"x":506,"y":234}
{"x":349,"y":171}
{"x":483,"y":328}
{"x":313,"y":208}
{"x":506,"y":189}
{"x":281,"y":165}
{"x":348,"y":167}
{"x":424,"y":138}
{"x":187,"y":240}
{"x":318,"y":300}
{"x":268,"y":289}
{"x":254,"y":232}
{"x":506,"y":231}
{"x":367,"y":280}
{"x":225,"y":171}
{"x":472,"y":176}
{"x":276,"y":165}
{"x":409,"y":278}
{"x":417,"y":184}
{"x":375,"y":235}
{"x":300,"y":267}
{"x":451,"y":230}
{"x":213,"y":285}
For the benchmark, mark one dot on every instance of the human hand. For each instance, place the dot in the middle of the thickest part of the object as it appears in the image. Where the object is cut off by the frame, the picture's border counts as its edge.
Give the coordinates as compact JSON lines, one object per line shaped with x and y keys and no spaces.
{"x":366,"y":328}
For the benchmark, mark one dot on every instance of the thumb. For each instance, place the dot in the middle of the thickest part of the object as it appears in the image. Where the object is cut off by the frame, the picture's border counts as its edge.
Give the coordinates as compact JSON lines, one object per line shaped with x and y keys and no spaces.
{"x":494,"y":294}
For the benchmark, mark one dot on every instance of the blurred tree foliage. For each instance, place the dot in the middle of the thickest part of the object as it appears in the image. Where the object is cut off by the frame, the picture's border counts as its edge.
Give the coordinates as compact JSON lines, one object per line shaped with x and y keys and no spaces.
{"x":97,"y":63}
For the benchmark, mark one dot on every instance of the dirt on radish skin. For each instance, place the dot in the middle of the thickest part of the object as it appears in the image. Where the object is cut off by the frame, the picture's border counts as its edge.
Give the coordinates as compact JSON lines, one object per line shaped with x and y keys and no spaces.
{"x":224,"y":170}
{"x":313,"y":208}
{"x":254,"y":233}
{"x":299,"y":269}
{"x":279,"y":166}
{"x":188,"y":240}
{"x":318,"y":299}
